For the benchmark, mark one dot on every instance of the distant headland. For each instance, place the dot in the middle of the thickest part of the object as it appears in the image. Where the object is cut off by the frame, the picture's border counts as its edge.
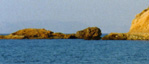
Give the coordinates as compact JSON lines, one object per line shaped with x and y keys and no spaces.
{"x":139,"y":31}
{"x":90,"y":33}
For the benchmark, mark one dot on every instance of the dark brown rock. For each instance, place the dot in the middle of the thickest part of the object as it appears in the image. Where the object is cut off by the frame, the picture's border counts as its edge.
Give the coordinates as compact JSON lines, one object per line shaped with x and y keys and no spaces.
{"x":1,"y":37}
{"x":70,"y":36}
{"x":90,"y":33}
{"x":63,"y":36}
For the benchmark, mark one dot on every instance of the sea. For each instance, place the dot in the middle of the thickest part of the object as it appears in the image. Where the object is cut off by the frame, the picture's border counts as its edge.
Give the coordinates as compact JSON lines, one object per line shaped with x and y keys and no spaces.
{"x":73,"y":51}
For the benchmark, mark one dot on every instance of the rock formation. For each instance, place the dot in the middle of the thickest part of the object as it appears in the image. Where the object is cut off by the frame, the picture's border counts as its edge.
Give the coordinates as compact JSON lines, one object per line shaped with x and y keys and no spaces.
{"x":125,"y":36}
{"x":14,"y":37}
{"x":1,"y":37}
{"x":34,"y":33}
{"x":141,"y":23}
{"x":90,"y":33}
{"x":63,"y":36}
{"x":30,"y":33}
{"x":139,"y":29}
{"x":115,"y":36}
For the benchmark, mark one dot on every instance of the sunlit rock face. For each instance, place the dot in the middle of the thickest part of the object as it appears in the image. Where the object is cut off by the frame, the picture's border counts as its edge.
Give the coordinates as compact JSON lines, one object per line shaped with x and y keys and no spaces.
{"x":140,"y":25}
{"x":139,"y":29}
{"x":31,"y":33}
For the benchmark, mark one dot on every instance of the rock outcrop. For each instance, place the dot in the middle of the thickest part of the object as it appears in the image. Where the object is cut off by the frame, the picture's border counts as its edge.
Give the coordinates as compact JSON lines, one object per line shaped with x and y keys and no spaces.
{"x":115,"y":36}
{"x":30,"y":33}
{"x":90,"y":33}
{"x":141,"y":23}
{"x":14,"y":37}
{"x":63,"y":36}
{"x":126,"y":36}
{"x":1,"y":37}
{"x":139,"y":29}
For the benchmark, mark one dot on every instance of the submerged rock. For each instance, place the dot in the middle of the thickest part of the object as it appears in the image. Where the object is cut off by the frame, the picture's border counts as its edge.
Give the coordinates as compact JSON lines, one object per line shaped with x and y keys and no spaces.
{"x":90,"y":33}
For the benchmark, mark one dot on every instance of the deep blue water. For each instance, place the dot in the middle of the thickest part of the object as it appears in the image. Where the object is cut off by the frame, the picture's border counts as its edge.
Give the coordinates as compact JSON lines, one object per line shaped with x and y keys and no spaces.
{"x":69,"y":51}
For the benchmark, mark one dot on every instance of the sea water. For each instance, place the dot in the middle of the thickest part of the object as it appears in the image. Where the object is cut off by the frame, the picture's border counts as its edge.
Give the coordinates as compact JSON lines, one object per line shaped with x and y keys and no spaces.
{"x":73,"y":51}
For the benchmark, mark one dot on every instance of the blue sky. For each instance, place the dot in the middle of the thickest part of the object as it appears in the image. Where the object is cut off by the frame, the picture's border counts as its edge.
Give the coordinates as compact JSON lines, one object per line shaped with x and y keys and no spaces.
{"x":69,"y":16}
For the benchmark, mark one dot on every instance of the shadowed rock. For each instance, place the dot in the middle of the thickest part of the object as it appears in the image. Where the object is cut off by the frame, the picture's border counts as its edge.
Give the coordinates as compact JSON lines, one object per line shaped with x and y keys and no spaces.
{"x":70,"y":36}
{"x":1,"y":37}
{"x":63,"y":36}
{"x":115,"y":36}
{"x":90,"y":33}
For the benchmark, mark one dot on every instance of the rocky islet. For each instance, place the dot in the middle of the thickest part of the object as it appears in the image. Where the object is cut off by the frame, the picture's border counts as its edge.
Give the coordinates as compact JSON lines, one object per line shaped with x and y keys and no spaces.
{"x":139,"y":30}
{"x":90,"y":33}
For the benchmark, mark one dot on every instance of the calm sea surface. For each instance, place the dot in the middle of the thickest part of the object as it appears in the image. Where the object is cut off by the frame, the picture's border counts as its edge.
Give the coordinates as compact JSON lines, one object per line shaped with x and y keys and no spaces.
{"x":69,"y":51}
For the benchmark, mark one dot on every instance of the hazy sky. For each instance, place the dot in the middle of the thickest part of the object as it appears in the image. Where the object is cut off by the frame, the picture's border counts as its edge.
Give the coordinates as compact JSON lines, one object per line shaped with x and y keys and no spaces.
{"x":69,"y":16}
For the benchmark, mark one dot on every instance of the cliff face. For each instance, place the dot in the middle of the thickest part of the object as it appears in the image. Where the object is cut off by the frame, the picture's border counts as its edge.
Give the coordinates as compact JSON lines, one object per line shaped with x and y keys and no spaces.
{"x":140,"y":25}
{"x":139,"y":29}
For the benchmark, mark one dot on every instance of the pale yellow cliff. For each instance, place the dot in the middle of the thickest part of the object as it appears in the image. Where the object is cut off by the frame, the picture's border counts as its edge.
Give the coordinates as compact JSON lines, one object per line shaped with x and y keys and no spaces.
{"x":140,"y":25}
{"x":139,"y":29}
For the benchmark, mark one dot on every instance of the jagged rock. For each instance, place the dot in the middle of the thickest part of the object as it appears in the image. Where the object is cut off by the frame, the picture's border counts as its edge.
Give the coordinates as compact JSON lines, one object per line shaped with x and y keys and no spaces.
{"x":90,"y":33}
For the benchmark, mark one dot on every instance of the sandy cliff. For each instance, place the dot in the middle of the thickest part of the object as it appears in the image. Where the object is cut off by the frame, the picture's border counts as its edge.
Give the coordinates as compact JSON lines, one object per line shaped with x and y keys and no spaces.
{"x":141,"y":23}
{"x":139,"y":29}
